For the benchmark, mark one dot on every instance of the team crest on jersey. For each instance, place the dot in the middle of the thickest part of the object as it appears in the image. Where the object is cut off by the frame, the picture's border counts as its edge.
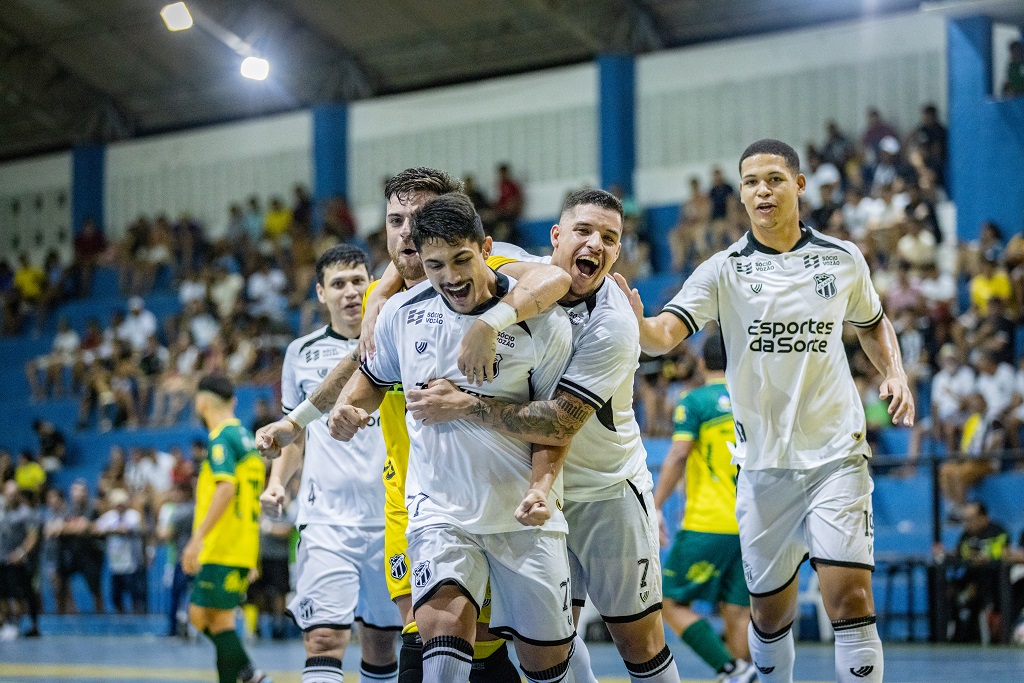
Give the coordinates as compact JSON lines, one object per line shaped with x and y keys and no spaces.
{"x":399,"y":566}
{"x":421,"y":574}
{"x":576,"y":318}
{"x":421,"y":346}
{"x":756,"y":287}
{"x":322,"y":372}
{"x":497,"y":362}
{"x":307,"y":609}
{"x":825,"y":285}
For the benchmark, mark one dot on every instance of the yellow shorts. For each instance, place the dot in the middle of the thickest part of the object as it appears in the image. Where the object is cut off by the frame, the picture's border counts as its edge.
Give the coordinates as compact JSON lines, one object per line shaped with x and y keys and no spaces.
{"x":396,"y":545}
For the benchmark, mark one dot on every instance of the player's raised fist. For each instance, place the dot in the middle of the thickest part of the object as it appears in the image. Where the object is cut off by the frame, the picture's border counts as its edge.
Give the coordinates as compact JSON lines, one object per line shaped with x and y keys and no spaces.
{"x":533,"y":511}
{"x":271,"y":438}
{"x":273,"y":500}
{"x":346,"y":420}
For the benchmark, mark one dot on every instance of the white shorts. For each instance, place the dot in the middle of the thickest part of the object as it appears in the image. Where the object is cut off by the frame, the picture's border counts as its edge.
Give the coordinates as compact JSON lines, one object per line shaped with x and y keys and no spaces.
{"x":528,"y":572}
{"x":614,"y":555}
{"x":786,"y":516}
{"x":341,"y":579}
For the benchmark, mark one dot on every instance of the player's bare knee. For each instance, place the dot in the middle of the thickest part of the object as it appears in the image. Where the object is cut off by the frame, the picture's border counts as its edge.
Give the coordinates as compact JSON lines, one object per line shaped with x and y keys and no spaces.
{"x":326,"y":642}
{"x":771,"y":616}
{"x":377,"y":645}
{"x":639,"y":641}
{"x":851,"y":602}
{"x":541,"y":657}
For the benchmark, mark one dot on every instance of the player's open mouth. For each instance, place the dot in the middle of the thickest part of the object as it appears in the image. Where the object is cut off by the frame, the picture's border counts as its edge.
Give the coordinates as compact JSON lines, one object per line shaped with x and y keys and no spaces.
{"x":458,"y":293}
{"x":353,"y":307}
{"x":587,"y":265}
{"x":408,"y":252}
{"x":765,"y":207}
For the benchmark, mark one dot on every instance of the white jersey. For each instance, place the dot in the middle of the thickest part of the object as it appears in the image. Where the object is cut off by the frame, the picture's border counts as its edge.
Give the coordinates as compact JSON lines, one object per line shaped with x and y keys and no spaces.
{"x":341,"y":482}
{"x":460,"y":473}
{"x":781,"y":315}
{"x":607,"y":451}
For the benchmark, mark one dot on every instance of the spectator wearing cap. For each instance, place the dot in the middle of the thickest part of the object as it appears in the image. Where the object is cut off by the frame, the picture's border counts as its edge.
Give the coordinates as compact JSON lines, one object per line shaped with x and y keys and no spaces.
{"x":139,"y":325}
{"x":890,"y":165}
{"x":122,"y":527}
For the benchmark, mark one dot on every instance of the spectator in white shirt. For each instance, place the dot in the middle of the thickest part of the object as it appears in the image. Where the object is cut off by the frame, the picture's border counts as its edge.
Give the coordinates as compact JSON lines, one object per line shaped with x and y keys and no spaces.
{"x":951,"y":386}
{"x":63,"y":354}
{"x":139,"y":325}
{"x":122,"y":527}
{"x":916,"y":246}
{"x":265,"y":290}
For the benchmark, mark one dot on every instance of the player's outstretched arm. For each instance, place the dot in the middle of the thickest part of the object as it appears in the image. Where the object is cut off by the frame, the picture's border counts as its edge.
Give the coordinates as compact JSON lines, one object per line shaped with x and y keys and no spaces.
{"x":389,"y":284}
{"x":273,"y":499}
{"x":357,"y":400}
{"x":882,"y":347}
{"x":549,"y":423}
{"x":658,"y":335}
{"x":538,"y":287}
{"x":672,"y":471}
{"x":223,"y":493}
{"x":547,"y":463}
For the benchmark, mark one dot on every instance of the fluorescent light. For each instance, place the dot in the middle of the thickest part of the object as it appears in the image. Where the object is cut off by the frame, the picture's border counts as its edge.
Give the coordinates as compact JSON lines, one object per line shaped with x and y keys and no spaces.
{"x":176,"y":16}
{"x":255,"y":68}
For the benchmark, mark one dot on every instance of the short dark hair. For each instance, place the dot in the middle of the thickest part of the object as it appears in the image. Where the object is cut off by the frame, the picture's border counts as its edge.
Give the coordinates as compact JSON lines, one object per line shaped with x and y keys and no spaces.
{"x":595,"y":197}
{"x":345,"y":254}
{"x":450,"y":217}
{"x":420,"y":179}
{"x":219,"y":385}
{"x":714,"y":352}
{"x":772,"y":146}
{"x":982,"y":509}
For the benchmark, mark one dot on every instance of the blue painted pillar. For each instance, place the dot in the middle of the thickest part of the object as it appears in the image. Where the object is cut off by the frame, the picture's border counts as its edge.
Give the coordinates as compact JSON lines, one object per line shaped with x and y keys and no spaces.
{"x":616,"y":138}
{"x":986,"y":135}
{"x":330,"y":153}
{"x":88,"y":165}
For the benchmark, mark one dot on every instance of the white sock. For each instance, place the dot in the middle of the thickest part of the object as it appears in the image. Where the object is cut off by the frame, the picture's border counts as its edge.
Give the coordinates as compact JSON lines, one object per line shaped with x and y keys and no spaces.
{"x":773,"y":654}
{"x":447,"y":659}
{"x":322,"y":670}
{"x":579,"y":662}
{"x":373,"y":673}
{"x":858,"y":651}
{"x":660,"y":669}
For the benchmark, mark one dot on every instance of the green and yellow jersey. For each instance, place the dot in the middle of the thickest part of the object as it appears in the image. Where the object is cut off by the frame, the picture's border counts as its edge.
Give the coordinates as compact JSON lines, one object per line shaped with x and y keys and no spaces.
{"x":704,"y":416}
{"x":235,"y":540}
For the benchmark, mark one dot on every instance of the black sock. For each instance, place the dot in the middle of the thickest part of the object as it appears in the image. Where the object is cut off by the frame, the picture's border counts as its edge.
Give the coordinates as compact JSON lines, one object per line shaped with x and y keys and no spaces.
{"x":410,"y":659}
{"x":497,"y":668}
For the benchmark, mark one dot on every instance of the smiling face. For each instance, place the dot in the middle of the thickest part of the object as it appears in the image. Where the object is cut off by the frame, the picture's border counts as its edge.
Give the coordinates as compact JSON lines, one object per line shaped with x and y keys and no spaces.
{"x":398,"y":225}
{"x":459,"y":272}
{"x":342,"y":291}
{"x":770,"y":192}
{"x":586,"y":244}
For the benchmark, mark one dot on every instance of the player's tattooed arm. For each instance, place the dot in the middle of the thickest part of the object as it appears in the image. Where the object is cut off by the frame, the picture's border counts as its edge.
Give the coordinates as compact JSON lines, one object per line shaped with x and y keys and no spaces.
{"x":327,"y":393}
{"x":538,"y":287}
{"x":548,"y":423}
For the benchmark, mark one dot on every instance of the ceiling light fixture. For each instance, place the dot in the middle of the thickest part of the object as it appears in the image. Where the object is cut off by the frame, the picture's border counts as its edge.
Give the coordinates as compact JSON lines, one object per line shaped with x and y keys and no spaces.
{"x":176,"y":16}
{"x":255,"y":68}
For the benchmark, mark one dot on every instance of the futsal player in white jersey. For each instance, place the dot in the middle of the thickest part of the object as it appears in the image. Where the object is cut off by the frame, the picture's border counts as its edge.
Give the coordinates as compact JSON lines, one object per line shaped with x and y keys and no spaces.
{"x":613,"y":530}
{"x":781,"y":295}
{"x":341,"y":499}
{"x":481,"y":504}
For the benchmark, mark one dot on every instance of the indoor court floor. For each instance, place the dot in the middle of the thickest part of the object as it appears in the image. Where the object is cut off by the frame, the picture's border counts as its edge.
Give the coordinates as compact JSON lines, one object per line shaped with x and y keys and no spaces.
{"x":117,"y":659}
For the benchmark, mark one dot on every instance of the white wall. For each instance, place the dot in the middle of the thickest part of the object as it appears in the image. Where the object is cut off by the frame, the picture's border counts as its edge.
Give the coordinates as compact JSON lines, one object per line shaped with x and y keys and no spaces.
{"x":202,"y":171}
{"x":35,"y":207}
{"x":700,"y":106}
{"x":544,"y":124}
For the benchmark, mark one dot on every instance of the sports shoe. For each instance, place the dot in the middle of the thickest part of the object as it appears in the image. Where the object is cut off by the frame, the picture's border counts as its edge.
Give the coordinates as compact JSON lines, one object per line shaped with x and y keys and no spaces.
{"x":745,"y":672}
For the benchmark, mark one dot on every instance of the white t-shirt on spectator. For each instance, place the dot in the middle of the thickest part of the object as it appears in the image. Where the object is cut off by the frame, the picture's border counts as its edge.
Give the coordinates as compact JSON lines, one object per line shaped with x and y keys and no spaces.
{"x":266,"y":292}
{"x":124,"y":552}
{"x":827,"y":174}
{"x":941,"y":289}
{"x":191,"y":290}
{"x":204,"y":327}
{"x":224,"y":293}
{"x":917,"y":250}
{"x":949,"y":389}
{"x":997,"y":389}
{"x":137,"y":328}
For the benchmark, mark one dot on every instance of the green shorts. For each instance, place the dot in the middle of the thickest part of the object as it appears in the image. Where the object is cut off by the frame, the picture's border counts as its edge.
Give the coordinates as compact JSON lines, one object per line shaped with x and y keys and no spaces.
{"x":707,"y":567}
{"x":220,"y":587}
